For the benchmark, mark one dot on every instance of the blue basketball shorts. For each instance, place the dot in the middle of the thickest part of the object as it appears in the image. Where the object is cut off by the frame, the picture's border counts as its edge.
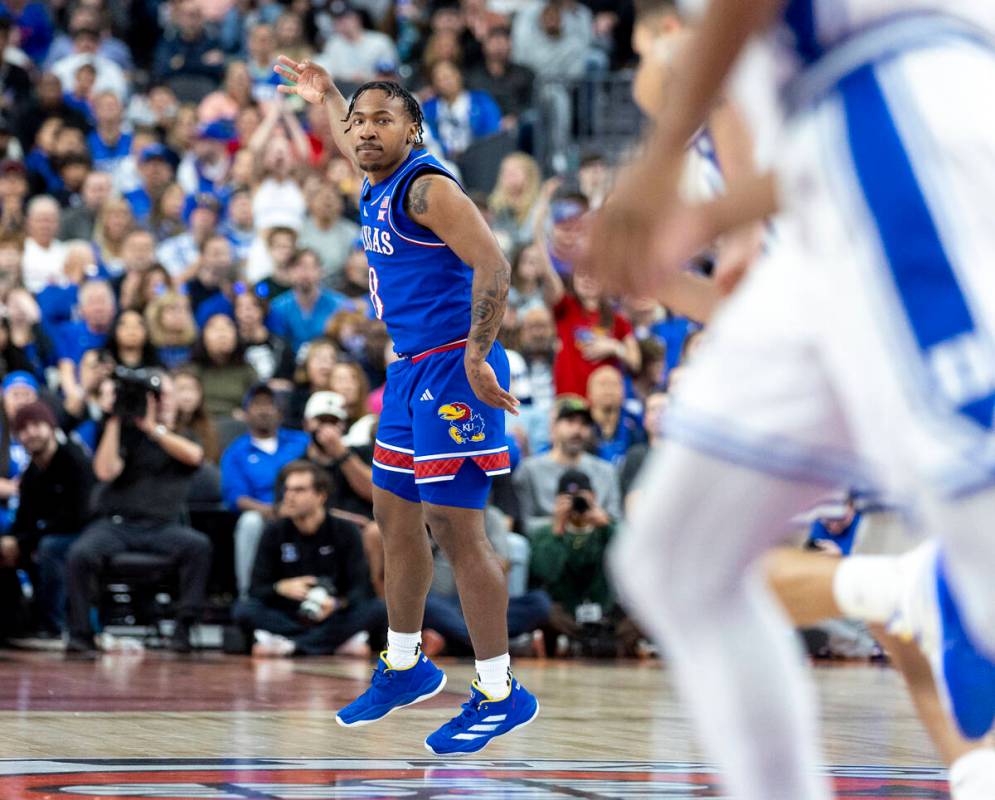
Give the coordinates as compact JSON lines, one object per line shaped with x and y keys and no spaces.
{"x":437,"y":443}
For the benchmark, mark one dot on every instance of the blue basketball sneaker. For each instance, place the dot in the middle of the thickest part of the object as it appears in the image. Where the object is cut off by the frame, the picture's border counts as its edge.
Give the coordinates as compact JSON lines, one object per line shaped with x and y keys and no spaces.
{"x":483,"y":719}
{"x":392,"y":689}
{"x":965,"y":677}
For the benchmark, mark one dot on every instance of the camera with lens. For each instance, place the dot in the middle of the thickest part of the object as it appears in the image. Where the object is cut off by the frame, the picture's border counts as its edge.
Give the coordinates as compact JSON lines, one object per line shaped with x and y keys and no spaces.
{"x":579,"y":504}
{"x":131,"y":390}
{"x":312,"y":606}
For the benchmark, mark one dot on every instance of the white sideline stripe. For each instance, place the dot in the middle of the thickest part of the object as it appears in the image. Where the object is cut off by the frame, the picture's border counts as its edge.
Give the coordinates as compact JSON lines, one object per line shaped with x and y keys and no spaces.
{"x":436,"y":479}
{"x":395,"y":449}
{"x":467,"y":454}
{"x":496,"y":718}
{"x":483,"y":727}
{"x":393,"y":469}
{"x":468,"y":735}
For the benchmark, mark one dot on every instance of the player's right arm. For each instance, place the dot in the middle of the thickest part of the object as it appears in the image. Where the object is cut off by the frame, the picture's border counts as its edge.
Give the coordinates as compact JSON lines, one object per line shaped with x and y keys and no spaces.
{"x":314,"y":85}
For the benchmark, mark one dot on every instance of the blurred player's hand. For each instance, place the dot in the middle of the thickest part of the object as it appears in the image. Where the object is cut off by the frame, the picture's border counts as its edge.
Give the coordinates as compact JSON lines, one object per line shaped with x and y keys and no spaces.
{"x":485,"y":385}
{"x":307,"y":80}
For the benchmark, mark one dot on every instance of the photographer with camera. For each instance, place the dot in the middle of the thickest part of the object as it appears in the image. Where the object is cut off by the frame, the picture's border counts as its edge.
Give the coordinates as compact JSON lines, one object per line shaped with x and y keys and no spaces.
{"x":568,"y":562}
{"x":310,"y":588}
{"x":146,"y":469}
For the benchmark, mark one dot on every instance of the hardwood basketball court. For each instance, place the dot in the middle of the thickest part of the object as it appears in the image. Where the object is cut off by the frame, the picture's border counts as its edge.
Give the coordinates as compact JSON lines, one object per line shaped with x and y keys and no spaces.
{"x":212,"y":726}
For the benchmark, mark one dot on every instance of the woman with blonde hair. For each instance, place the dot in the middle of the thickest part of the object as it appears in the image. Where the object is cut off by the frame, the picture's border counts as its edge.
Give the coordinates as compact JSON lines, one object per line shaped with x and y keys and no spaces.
{"x":349,"y":380}
{"x":172,"y":329}
{"x":114,"y":222}
{"x":514,"y":199}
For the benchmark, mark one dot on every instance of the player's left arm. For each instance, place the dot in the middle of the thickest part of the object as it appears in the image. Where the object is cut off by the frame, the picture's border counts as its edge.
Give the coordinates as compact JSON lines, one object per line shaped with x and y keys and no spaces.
{"x":437,"y":203}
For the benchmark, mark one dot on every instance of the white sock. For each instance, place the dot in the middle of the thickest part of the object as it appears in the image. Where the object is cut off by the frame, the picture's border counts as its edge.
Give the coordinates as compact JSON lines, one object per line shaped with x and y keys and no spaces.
{"x":402,"y":648}
{"x":972,"y":776}
{"x":494,"y":676}
{"x":868,"y":588}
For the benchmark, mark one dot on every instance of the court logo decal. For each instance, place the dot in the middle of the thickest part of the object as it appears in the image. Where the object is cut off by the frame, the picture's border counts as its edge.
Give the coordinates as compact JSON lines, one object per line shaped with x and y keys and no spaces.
{"x":417,"y":779}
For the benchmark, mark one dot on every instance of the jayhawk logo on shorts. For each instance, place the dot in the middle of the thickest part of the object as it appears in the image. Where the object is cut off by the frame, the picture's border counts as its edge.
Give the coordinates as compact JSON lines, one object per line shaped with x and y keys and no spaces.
{"x":465,"y":425}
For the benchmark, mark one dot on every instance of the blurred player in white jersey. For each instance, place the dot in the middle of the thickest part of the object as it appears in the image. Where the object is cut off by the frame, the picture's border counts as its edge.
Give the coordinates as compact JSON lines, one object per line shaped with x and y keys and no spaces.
{"x":863,"y":352}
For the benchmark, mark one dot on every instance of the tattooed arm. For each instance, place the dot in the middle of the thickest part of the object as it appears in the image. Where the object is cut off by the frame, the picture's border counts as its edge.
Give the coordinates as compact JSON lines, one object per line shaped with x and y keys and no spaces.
{"x":438,"y":203}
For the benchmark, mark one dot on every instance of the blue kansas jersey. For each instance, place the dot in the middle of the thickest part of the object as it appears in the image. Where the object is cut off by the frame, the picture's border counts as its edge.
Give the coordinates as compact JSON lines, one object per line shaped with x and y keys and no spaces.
{"x":418,"y":286}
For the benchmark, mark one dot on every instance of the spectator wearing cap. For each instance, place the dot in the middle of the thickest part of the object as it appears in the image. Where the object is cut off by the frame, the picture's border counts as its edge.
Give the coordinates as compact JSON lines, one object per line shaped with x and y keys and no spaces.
{"x":156,"y":165}
{"x":327,"y":232}
{"x":188,"y":50}
{"x":457,"y":117}
{"x":53,"y":509}
{"x":13,"y":194}
{"x":249,"y":468}
{"x":78,"y":222}
{"x":510,"y":84}
{"x":19,"y":390}
{"x":204,"y":168}
{"x":351,"y":53}
{"x":15,"y":82}
{"x":616,"y":429}
{"x":34,"y":26}
{"x":300,"y":315}
{"x":179,"y":254}
{"x":44,"y":254}
{"x":536,"y":478}
{"x":86,"y":44}
{"x":350,"y":468}
{"x":109,"y":143}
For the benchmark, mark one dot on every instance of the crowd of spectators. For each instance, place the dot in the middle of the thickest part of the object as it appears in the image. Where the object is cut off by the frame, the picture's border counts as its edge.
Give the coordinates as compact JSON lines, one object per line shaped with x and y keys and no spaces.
{"x":169,"y":221}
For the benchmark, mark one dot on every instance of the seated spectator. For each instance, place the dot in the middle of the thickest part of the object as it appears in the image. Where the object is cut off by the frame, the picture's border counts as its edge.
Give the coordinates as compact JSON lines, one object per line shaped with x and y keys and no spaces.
{"x":12,"y":357}
{"x":326,"y":232}
{"x":348,"y":329}
{"x":172,"y":330}
{"x":510,"y":84}
{"x":553,"y":38}
{"x":15,"y":81}
{"x":350,"y":382}
{"x":352,"y":53}
{"x":109,"y":143}
{"x":47,"y":103}
{"x":354,"y":282}
{"x":568,"y":556}
{"x":220,"y":361}
{"x":86,"y":412}
{"x":616,"y":430}
{"x":34,"y":24}
{"x":53,"y":509}
{"x":537,"y":345}
{"x":204,"y":168}
{"x":271,"y":356}
{"x":314,"y":375}
{"x":147,"y":470}
{"x":261,"y":51}
{"x":84,"y":16}
{"x":166,"y":218}
{"x":513,"y":201}
{"x":72,"y":169}
{"x":156,"y":166}
{"x":13,"y":196}
{"x":130,"y":344}
{"x":528,"y":280}
{"x":192,"y":419}
{"x":80,"y":95}
{"x":457,"y":117}
{"x":109,"y":78}
{"x":310,"y":590}
{"x":239,"y":227}
{"x":652,"y":373}
{"x":155,"y":281}
{"x":43,"y":253}
{"x":91,"y":330}
{"x":19,"y":390}
{"x":79,"y":221}
{"x":300,"y":315}
{"x":113,"y":225}
{"x":11,"y":248}
{"x":226,"y":102}
{"x":249,"y":468}
{"x":656,"y":406}
{"x":349,"y":466}
{"x":527,"y":611}
{"x":291,"y":39}
{"x":179,"y":253}
{"x":26,"y":332}
{"x":214,"y":270}
{"x":189,"y":51}
{"x":537,"y":477}
{"x":281,"y":244}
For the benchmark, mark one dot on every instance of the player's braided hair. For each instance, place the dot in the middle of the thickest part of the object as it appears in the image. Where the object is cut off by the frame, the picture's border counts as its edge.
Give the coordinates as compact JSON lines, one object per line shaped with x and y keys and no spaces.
{"x":392,"y":89}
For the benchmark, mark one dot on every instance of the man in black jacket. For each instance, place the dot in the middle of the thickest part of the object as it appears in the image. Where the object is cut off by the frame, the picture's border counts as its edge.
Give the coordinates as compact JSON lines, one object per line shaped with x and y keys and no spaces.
{"x":310,"y":587}
{"x":54,"y":508}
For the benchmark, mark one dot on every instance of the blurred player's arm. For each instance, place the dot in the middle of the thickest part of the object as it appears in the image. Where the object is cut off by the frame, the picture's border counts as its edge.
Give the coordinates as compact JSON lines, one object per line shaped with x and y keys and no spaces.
{"x":441,"y":206}
{"x":314,"y":85}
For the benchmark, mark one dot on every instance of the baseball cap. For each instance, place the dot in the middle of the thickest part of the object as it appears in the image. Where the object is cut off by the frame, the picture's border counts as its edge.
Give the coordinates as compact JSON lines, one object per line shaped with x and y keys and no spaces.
{"x":573,"y":405}
{"x":33,"y":412}
{"x":159,"y":151}
{"x":259,"y":389}
{"x":19,"y":378}
{"x":326,"y":404}
{"x":573,"y":481}
{"x":218,"y":130}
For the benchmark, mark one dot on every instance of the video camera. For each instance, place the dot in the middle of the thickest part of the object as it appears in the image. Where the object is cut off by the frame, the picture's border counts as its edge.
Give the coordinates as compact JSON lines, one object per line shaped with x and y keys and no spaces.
{"x":131,"y":390}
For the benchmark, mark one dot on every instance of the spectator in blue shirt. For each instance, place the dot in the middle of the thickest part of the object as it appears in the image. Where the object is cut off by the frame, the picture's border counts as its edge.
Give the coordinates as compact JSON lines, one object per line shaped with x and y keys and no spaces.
{"x":300,"y":315}
{"x":156,"y":165}
{"x":457,"y":117}
{"x":249,"y":468}
{"x":90,"y":331}
{"x":615,"y":429}
{"x":109,"y":144}
{"x":35,"y":27}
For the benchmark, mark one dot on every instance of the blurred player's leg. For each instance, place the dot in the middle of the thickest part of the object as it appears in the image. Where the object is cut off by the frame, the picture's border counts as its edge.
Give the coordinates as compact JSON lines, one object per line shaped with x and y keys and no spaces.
{"x":686,"y":568}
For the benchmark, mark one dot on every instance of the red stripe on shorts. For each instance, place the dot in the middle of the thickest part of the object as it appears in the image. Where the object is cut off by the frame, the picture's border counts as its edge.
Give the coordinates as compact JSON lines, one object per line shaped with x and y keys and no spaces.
{"x":493,"y":461}
{"x":391,"y":458}
{"x":437,"y":468}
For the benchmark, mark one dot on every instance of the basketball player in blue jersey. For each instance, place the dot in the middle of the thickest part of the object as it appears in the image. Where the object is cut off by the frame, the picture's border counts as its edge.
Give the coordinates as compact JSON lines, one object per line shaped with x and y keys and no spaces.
{"x":860,"y":353}
{"x":439,"y":281}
